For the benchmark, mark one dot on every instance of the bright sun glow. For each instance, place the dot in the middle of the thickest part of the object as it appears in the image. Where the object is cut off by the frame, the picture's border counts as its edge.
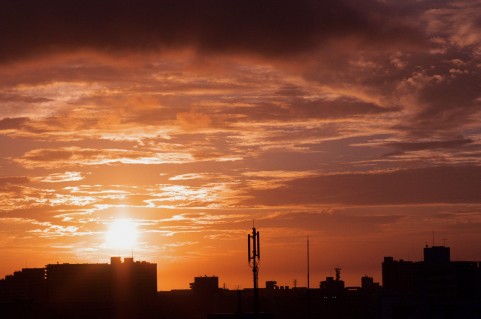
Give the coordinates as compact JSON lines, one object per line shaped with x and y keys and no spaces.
{"x":122,"y":233}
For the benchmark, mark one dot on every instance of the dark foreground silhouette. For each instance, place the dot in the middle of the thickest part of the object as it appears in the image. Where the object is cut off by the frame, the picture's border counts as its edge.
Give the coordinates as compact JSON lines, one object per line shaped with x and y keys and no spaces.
{"x":433,"y":288}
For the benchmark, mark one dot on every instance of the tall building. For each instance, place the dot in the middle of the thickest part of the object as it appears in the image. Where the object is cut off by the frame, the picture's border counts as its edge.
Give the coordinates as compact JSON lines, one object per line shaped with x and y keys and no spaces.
{"x":115,"y":282}
{"x":400,"y":276}
{"x":432,"y":287}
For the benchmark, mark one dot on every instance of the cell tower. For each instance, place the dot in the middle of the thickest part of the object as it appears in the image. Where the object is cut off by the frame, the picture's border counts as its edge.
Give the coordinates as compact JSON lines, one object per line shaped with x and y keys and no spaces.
{"x":254,"y":255}
{"x":338,"y":273}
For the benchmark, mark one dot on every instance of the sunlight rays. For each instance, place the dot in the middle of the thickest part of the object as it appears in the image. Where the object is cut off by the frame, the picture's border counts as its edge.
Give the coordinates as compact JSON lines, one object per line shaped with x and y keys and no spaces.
{"x":122,"y":234}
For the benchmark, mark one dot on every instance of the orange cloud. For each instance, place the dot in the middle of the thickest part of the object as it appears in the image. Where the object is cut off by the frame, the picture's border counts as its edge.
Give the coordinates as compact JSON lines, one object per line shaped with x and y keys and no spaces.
{"x":192,"y":121}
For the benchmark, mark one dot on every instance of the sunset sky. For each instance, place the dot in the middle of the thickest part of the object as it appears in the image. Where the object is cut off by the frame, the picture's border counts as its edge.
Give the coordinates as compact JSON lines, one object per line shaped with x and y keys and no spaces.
{"x":357,"y":123}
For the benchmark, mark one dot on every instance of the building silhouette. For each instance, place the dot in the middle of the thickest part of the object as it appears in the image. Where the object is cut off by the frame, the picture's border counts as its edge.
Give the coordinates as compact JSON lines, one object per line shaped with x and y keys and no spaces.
{"x":29,"y":284}
{"x":432,"y":288}
{"x":205,"y":285}
{"x":121,"y":289}
{"x":333,"y":288}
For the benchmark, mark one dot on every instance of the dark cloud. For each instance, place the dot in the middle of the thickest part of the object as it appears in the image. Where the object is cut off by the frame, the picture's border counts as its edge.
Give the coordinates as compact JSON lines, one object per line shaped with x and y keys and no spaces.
{"x":412,"y":186}
{"x":426,"y":145}
{"x":266,"y":27}
{"x":305,"y":108}
{"x":22,"y":98}
{"x":446,"y":106}
{"x":12,"y":123}
{"x":334,"y":109}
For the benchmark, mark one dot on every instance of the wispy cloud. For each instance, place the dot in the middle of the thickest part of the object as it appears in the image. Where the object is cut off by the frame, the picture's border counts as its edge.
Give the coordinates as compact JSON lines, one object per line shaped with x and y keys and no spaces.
{"x":61,"y":177}
{"x":74,"y":156}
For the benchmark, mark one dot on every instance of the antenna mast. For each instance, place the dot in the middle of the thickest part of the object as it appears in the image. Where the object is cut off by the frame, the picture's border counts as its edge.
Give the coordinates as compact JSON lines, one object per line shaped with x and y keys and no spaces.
{"x":308,"y":270}
{"x":254,"y":256}
{"x":308,"y":282}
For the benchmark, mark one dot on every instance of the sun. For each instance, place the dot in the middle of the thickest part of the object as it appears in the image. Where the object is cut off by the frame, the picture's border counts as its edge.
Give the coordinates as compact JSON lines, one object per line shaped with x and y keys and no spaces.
{"x":122,"y":234}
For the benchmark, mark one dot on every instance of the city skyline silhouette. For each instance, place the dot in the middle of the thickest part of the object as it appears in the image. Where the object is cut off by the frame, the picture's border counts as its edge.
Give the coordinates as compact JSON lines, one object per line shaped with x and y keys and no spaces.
{"x":434,"y":287}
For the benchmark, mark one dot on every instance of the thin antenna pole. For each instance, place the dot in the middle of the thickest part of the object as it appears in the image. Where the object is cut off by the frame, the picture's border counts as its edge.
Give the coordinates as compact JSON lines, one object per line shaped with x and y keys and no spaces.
{"x":308,"y":282}
{"x":308,"y":270}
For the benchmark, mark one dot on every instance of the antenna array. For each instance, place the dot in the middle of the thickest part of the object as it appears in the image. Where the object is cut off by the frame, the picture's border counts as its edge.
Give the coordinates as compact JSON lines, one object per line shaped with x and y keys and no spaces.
{"x":254,"y":256}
